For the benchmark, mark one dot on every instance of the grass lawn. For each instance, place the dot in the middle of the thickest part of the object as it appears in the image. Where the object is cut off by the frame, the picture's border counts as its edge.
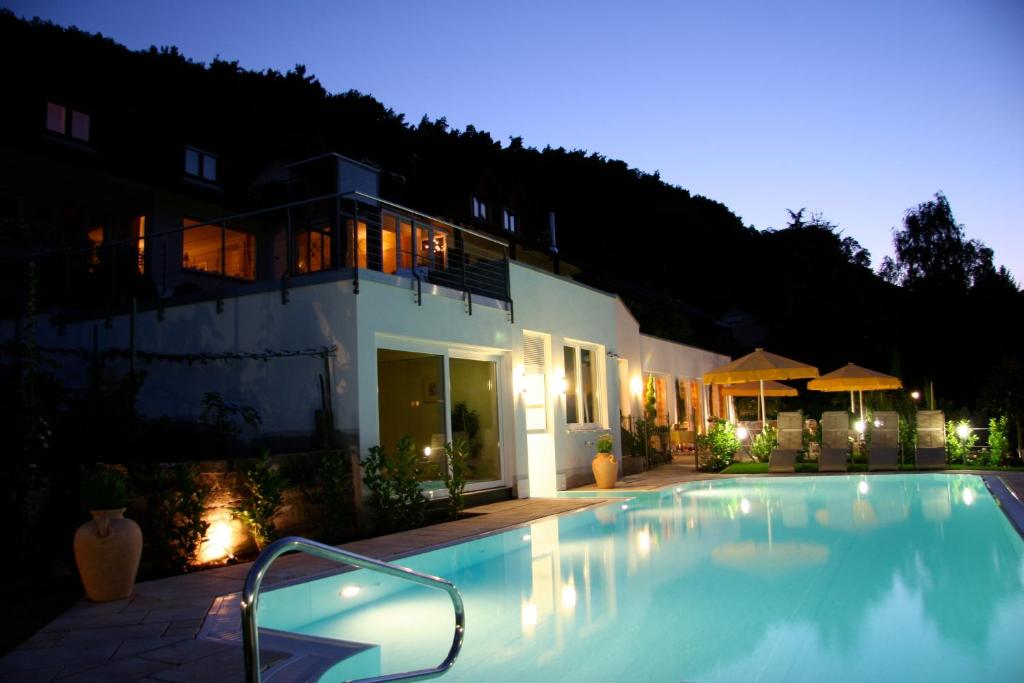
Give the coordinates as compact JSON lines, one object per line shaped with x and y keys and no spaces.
{"x":762,"y":468}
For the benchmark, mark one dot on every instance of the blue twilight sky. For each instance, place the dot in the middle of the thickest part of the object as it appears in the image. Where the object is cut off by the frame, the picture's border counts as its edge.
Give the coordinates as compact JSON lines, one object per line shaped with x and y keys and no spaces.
{"x":858,"y":110}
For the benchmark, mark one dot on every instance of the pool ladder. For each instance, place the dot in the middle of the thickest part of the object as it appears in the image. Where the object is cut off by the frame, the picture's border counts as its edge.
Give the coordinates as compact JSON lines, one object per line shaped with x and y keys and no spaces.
{"x":251,"y":597}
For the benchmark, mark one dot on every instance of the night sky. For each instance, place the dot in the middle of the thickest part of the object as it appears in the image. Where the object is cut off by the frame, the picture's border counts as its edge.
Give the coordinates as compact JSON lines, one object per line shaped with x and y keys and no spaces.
{"x":859,"y":110}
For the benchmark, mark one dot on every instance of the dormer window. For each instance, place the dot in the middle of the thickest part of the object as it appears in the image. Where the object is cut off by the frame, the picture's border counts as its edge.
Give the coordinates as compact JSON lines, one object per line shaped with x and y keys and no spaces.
{"x":68,"y":122}
{"x":479,"y":209}
{"x":509,"y":221}
{"x":199,"y":164}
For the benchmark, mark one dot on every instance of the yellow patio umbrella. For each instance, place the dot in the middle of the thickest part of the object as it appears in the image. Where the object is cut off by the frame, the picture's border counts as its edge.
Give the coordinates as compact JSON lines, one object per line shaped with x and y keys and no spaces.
{"x":747,"y":389}
{"x":759,"y":366}
{"x":855,"y":378}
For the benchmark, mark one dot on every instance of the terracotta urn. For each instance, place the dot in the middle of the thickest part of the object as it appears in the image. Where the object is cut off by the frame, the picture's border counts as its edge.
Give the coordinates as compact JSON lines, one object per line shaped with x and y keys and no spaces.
{"x":605,"y":470}
{"x":107,"y":550}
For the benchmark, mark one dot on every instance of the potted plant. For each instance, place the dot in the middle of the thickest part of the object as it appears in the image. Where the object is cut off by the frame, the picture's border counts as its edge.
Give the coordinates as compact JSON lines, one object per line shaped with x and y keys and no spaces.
{"x":604,"y":465}
{"x":107,"y":547}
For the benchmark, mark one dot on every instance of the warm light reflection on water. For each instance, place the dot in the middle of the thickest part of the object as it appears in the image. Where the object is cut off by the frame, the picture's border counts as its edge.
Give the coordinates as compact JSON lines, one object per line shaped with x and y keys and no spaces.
{"x":838,"y":578}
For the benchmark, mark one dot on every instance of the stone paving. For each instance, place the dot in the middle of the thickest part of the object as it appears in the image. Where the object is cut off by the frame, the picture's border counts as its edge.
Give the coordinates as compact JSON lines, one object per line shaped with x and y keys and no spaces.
{"x":152,"y":635}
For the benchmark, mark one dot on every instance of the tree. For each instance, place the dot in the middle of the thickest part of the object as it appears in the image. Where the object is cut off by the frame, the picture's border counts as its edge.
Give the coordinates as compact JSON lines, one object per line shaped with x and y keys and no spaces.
{"x":933,"y":253}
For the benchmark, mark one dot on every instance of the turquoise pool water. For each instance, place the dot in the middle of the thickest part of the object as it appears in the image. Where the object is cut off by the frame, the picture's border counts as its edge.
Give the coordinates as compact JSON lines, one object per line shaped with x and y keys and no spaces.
{"x":846,"y":578}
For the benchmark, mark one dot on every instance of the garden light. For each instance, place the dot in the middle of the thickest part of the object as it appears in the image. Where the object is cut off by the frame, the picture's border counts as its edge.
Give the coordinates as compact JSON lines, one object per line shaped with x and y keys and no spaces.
{"x":859,"y":426}
{"x":963,"y":430}
{"x":878,"y":423}
{"x":742,"y":433}
{"x":916,"y":395}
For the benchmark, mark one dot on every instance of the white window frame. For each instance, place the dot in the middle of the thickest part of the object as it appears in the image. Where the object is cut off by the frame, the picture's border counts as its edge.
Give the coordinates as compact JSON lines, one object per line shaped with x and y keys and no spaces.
{"x":510,"y":221}
{"x":597,"y":354}
{"x":479,"y":208}
{"x":69,"y":117}
{"x":204,"y":157}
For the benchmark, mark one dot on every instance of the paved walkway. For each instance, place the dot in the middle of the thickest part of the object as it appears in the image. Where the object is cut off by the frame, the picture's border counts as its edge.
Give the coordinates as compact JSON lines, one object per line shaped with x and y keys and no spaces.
{"x":152,"y":635}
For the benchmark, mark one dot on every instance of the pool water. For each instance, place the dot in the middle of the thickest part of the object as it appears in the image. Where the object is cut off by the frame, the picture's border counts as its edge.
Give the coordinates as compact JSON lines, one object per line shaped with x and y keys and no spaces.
{"x":848,"y":578}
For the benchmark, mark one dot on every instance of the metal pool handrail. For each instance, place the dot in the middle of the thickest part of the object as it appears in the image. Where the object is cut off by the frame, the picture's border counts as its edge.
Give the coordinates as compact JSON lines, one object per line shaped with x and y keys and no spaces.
{"x":251,"y":596}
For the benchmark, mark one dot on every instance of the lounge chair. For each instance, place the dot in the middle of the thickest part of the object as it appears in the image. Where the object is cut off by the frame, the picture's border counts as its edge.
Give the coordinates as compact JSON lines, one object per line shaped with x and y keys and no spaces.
{"x":835,"y":441}
{"x":885,"y":442}
{"x":791,"y":442}
{"x":931,"y":440}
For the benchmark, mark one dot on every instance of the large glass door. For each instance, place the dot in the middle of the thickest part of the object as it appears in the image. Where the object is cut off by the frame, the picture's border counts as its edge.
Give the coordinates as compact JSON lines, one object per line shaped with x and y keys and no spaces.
{"x":435,"y":398}
{"x":475,"y":415}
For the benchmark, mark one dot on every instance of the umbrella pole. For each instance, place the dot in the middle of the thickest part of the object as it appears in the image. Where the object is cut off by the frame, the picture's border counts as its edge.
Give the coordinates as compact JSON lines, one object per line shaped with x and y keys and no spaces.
{"x":764,"y":415}
{"x":853,"y":409}
{"x":861,"y":404}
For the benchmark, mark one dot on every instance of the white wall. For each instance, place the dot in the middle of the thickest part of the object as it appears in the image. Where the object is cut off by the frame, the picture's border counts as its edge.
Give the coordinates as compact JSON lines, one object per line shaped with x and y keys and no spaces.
{"x":679,"y":361}
{"x":385,"y":314}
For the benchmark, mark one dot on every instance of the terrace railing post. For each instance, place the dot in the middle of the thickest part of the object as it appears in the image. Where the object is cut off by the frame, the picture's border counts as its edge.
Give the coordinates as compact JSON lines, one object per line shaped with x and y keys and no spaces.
{"x":355,"y":246}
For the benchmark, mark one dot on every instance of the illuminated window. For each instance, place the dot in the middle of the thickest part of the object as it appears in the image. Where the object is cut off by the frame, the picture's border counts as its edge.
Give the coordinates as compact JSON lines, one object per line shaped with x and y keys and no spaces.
{"x":69,"y":122}
{"x":356,"y":257}
{"x":95,"y":237}
{"x":509,"y":221}
{"x":389,"y":243}
{"x":660,"y":399}
{"x":313,"y":250}
{"x":479,"y":209}
{"x":581,"y":399}
{"x":139,"y":233}
{"x":200,"y":164}
{"x":213,"y":249}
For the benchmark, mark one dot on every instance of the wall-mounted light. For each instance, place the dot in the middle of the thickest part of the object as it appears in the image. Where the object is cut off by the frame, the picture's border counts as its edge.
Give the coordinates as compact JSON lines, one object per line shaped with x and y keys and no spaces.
{"x":636,"y":385}
{"x":563,"y":386}
{"x":427,"y":450}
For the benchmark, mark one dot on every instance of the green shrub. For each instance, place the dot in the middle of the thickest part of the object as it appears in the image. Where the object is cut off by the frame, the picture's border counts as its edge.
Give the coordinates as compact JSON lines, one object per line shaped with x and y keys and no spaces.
{"x":719,"y":445}
{"x":457,"y":454}
{"x":998,"y":440}
{"x":179,"y":510}
{"x":264,"y":494}
{"x":958,"y":450}
{"x":325,"y":479}
{"x":908,"y":437}
{"x":763,"y":444}
{"x":393,"y":482}
{"x":105,"y":488}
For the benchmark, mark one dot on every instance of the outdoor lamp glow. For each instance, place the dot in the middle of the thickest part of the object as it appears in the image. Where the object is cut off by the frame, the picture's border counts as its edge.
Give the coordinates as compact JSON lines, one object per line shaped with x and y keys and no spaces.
{"x":426,"y":451}
{"x":963,"y":430}
{"x":859,"y":426}
{"x":878,"y":423}
{"x":915,"y":394}
{"x":636,"y":385}
{"x":742,"y":433}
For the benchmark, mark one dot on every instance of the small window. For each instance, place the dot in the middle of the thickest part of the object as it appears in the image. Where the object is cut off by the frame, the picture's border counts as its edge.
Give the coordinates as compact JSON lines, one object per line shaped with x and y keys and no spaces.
{"x":56,"y":118}
{"x":200,"y":164}
{"x":581,"y":399}
{"x":80,"y":126}
{"x":479,"y":209}
{"x":509,"y":221}
{"x":313,"y":250}
{"x":68,"y":122}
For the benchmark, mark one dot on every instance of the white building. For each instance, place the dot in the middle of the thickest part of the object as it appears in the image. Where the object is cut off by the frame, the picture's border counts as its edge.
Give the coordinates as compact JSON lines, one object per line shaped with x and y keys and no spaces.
{"x":435,"y":333}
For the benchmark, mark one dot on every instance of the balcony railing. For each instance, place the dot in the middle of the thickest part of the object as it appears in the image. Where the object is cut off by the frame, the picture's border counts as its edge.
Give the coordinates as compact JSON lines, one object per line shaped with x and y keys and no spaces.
{"x":331,"y":237}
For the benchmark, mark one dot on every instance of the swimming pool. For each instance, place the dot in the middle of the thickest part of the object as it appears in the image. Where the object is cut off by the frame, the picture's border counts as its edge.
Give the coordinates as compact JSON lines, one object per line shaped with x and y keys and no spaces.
{"x":894,"y":577}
